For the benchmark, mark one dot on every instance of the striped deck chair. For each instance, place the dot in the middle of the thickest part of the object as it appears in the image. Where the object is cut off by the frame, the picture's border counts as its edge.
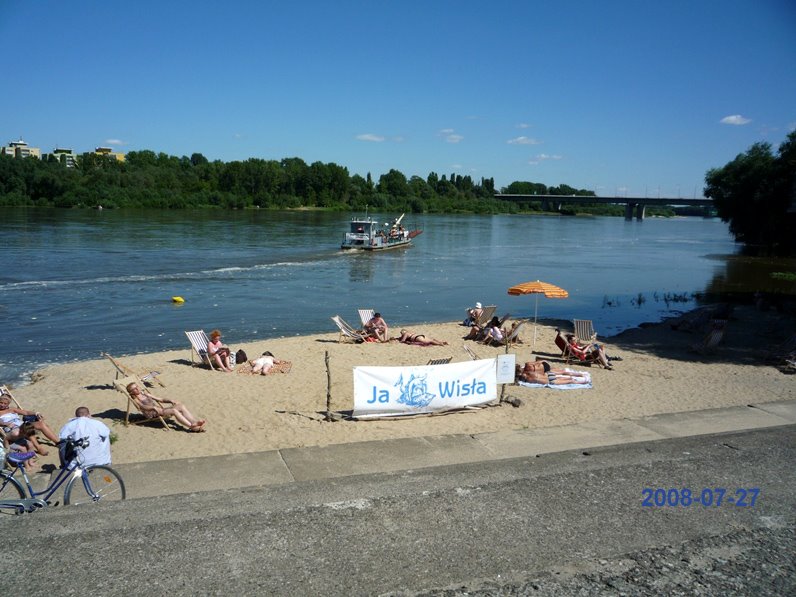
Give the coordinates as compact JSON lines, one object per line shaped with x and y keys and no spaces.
{"x":572,"y":353}
{"x":487,"y":314}
{"x":471,"y":353}
{"x":514,"y":336}
{"x":123,"y":371}
{"x":132,"y":407}
{"x":365,"y":315}
{"x":584,"y":331}
{"x":713,"y":338}
{"x":346,"y":331}
{"x":199,"y":342}
{"x":439,"y":361}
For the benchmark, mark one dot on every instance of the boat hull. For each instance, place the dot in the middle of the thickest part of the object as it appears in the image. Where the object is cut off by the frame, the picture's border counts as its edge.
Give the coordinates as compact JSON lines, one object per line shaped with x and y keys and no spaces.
{"x":377,"y":247}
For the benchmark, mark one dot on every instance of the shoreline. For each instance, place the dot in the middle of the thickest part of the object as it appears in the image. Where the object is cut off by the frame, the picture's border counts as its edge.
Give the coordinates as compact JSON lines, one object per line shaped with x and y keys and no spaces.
{"x":245,"y":413}
{"x":31,"y":376}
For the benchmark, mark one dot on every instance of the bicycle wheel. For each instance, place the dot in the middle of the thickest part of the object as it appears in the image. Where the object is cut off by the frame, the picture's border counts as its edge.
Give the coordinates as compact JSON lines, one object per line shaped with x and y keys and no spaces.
{"x":10,"y":488}
{"x":97,"y":483}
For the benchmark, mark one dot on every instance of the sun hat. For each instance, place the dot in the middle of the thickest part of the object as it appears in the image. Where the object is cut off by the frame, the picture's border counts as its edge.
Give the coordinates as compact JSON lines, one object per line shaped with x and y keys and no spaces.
{"x":478,"y":305}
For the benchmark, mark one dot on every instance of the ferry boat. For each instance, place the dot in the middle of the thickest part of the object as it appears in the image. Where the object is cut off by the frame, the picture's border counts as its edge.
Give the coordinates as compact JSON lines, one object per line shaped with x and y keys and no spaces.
{"x":365,"y":234}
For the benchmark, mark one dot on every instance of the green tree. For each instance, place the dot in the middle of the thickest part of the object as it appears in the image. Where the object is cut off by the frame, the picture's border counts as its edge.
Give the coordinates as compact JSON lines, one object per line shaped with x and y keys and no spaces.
{"x":755,"y":193}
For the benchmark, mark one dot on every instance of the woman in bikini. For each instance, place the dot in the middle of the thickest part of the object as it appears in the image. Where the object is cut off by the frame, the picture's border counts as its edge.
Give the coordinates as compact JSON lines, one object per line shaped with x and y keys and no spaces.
{"x":408,"y":337}
{"x":152,"y":406}
{"x":542,"y":372}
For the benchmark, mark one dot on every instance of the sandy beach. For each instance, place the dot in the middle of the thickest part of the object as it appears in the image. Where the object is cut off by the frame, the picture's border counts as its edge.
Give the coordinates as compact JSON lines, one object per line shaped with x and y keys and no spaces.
{"x":658,"y":373}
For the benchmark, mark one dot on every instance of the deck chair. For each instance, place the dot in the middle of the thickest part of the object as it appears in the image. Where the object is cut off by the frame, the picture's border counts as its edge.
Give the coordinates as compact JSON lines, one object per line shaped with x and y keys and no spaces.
{"x":346,"y":331}
{"x":487,"y":314}
{"x":123,"y":371}
{"x":199,"y":342}
{"x":132,"y":408}
{"x":713,"y":338}
{"x":6,"y":391}
{"x":471,"y":353}
{"x":514,"y":336}
{"x":439,"y":361}
{"x":365,"y":315}
{"x":584,"y":330}
{"x":571,"y":353}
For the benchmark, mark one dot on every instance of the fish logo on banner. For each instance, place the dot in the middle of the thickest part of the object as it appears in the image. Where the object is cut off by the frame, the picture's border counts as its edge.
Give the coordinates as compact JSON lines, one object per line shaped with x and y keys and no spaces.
{"x":414,"y":392}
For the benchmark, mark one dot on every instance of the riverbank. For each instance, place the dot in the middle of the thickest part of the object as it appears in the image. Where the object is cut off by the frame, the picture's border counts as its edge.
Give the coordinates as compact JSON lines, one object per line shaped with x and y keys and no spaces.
{"x":657,"y":373}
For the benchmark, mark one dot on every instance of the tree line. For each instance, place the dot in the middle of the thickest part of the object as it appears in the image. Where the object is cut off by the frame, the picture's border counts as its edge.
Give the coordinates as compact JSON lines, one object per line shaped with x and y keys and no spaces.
{"x":756,"y":194}
{"x":157,"y":180}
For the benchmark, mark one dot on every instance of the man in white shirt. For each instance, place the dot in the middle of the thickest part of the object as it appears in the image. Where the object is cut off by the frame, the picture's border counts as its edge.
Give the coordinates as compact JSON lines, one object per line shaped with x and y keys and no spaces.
{"x":98,"y":434}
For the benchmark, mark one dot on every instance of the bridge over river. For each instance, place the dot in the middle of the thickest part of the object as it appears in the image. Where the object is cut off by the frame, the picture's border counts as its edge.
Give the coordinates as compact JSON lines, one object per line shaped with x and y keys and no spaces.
{"x":637,"y":204}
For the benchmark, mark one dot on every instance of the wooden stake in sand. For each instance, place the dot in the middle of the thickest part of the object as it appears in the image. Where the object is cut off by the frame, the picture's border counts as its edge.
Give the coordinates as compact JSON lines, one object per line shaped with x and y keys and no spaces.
{"x":328,"y":388}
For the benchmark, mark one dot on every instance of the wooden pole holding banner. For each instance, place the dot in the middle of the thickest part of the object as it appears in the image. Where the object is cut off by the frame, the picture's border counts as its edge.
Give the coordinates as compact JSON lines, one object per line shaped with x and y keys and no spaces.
{"x":328,"y":388}
{"x":515,"y":402}
{"x":503,"y":386}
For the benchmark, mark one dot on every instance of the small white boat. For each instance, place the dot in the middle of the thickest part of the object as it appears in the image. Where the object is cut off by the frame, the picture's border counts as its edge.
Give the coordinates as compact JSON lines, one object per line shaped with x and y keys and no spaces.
{"x":365,"y":234}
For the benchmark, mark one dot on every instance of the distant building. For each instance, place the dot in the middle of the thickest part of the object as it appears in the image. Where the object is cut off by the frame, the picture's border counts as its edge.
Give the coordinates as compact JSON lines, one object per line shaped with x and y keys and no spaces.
{"x":107,"y":151}
{"x":65,"y":156}
{"x":20,"y":149}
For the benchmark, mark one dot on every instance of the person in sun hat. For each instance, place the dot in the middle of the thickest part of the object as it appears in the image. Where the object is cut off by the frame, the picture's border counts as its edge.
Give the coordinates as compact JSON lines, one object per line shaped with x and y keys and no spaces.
{"x":474,"y":315}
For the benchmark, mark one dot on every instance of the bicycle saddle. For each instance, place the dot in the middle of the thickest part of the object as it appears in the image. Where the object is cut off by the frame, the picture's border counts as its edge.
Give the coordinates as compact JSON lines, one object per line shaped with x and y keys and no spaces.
{"x":17,"y":458}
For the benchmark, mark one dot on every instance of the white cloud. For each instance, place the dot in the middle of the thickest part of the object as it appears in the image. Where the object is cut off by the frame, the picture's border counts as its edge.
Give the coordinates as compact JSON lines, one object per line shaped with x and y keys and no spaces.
{"x":454,"y":138}
{"x":114,"y":142}
{"x":523,"y":125}
{"x":370,"y":137}
{"x":736,"y":119}
{"x":446,"y":131}
{"x":544,"y":156}
{"x":457,"y":166}
{"x":523,"y":140}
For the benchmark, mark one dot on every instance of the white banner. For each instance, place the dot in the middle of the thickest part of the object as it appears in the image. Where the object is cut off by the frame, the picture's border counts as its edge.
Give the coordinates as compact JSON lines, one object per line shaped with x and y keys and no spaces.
{"x":381,"y":391}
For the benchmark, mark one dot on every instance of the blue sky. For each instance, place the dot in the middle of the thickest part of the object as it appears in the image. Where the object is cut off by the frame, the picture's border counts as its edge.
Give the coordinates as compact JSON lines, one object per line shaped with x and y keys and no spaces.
{"x":622,"y":97}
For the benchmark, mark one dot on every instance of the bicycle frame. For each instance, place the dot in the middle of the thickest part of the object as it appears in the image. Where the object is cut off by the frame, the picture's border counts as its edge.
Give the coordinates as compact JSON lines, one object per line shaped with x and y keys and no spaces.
{"x":40,"y":499}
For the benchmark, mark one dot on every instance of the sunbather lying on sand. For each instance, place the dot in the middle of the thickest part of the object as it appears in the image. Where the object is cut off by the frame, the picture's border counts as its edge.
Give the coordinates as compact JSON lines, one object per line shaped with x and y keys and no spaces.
{"x":542,"y":372}
{"x":265,"y":363}
{"x":408,"y":337}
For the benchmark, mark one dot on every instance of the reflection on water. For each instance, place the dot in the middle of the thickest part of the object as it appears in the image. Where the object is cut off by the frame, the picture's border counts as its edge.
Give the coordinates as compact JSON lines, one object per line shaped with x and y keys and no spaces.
{"x":748,"y":275}
{"x":362,"y":266}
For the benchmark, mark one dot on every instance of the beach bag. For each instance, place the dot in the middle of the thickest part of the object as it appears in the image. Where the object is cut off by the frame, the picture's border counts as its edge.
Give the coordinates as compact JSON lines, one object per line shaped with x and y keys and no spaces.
{"x":240,"y":356}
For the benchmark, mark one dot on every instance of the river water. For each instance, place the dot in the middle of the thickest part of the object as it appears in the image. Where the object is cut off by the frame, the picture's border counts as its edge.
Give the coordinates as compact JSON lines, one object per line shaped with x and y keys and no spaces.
{"x":76,"y":283}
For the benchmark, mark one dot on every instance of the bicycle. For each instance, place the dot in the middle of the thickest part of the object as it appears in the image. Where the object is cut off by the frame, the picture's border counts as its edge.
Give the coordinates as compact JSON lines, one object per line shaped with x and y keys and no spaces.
{"x":100,"y":482}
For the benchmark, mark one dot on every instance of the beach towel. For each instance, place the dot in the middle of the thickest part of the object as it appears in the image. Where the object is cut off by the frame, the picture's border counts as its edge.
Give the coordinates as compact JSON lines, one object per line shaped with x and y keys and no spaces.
{"x":568,"y":386}
{"x":283,"y":367}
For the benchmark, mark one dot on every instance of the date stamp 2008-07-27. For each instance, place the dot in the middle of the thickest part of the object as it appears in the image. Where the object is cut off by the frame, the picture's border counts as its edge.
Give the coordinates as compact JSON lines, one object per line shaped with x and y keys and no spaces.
{"x":708,"y":497}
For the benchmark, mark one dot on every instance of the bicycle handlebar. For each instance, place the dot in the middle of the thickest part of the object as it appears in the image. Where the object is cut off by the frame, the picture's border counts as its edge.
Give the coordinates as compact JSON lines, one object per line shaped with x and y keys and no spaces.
{"x":82,"y":443}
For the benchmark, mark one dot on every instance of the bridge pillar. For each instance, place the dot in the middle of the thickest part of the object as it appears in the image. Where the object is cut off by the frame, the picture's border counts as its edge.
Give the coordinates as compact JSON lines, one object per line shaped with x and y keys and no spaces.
{"x":640,"y":210}
{"x":545,"y":205}
{"x":629,"y":210}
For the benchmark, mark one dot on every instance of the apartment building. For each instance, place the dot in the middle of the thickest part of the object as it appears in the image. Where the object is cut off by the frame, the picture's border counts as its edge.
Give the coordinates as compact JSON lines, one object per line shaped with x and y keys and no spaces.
{"x":20,"y":149}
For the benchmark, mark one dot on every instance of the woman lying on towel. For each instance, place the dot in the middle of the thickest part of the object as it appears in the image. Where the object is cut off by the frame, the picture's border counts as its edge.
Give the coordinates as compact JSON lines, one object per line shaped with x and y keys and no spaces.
{"x":408,"y":337}
{"x":265,"y":363}
{"x":541,"y":372}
